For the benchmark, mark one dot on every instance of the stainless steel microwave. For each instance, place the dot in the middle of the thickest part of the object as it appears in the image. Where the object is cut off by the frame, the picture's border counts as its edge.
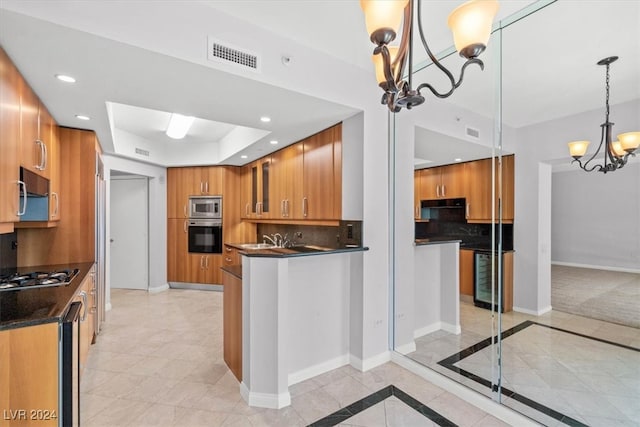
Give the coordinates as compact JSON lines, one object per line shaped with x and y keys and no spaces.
{"x":209,"y":207}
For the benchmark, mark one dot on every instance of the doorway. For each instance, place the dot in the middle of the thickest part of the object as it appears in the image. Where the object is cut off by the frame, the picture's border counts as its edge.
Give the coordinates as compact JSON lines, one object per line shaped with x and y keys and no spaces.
{"x":129,"y":236}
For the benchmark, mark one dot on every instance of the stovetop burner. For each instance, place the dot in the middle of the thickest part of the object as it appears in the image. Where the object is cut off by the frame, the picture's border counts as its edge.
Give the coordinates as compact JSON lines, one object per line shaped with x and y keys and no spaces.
{"x":36,"y":279}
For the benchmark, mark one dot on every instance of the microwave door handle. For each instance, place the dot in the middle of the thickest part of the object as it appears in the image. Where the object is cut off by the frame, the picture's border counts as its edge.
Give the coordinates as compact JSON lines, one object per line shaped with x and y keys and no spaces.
{"x":24,"y":204}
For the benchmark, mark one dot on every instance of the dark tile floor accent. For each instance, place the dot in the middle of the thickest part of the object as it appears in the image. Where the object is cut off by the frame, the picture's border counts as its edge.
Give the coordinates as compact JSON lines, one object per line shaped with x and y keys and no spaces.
{"x":374,"y":398}
{"x":455,"y":358}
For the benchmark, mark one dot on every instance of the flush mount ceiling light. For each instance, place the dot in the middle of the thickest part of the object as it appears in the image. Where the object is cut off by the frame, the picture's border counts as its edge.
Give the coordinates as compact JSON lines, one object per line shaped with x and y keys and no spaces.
{"x":66,"y":79}
{"x":81,"y":117}
{"x":471,"y":26}
{"x":179,"y":125}
{"x":616,"y":153}
{"x":273,"y":142}
{"x":265,"y":119}
{"x":243,"y":156}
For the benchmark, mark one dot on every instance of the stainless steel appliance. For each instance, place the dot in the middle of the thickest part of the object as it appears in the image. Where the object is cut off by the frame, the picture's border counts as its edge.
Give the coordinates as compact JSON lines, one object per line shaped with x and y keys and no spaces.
{"x":34,"y":196}
{"x":205,"y":236}
{"x":205,"y":207}
{"x":36,"y":279}
{"x":451,"y":210}
{"x":69,"y":367}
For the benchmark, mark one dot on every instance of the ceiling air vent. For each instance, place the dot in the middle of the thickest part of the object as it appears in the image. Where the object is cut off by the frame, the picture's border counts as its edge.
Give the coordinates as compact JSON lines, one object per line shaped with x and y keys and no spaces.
{"x":142,"y":152}
{"x":473,"y":133}
{"x":227,"y":54}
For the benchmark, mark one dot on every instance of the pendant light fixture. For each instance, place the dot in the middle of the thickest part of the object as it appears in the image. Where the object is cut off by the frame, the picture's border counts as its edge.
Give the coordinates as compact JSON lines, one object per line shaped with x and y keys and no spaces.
{"x":616,"y":153}
{"x":471,"y":27}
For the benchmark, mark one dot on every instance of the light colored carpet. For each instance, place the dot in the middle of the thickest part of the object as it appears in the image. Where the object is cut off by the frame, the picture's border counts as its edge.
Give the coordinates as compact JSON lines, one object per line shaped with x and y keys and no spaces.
{"x":599,"y":294}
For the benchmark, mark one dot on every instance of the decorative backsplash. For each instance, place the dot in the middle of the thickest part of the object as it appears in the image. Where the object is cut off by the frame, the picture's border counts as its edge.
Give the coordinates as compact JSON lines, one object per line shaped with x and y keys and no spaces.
{"x":348,"y":233}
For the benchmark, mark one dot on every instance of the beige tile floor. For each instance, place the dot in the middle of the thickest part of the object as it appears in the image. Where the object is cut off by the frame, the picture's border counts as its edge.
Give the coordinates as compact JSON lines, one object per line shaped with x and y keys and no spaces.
{"x":593,"y":382}
{"x":158,"y":362}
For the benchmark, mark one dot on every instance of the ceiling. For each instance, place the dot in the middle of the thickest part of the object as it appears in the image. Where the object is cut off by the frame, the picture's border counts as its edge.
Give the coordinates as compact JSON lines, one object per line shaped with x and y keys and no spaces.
{"x":135,"y":64}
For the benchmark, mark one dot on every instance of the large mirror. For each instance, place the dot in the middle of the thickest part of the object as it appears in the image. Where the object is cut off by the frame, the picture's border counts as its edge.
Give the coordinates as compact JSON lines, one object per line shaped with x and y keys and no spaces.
{"x":503,"y":237}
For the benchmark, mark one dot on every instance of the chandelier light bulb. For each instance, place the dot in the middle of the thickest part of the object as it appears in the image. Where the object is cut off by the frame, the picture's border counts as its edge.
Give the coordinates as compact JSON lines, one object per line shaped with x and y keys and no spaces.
{"x":382,"y":18}
{"x":471,"y":26}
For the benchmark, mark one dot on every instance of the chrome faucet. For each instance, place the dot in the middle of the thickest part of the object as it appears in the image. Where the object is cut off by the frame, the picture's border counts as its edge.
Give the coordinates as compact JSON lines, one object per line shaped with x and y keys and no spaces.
{"x":277,"y":240}
{"x":273,"y":240}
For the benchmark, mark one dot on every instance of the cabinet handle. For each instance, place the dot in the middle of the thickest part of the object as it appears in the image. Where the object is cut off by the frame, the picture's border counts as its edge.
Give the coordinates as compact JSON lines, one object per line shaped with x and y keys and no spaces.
{"x":227,"y":259}
{"x":40,"y":165}
{"x":417,"y":211}
{"x":206,"y":262}
{"x":55,"y":210}
{"x":443,"y":191}
{"x":24,"y":191}
{"x":246,"y":210}
{"x":92,"y":310}
{"x":228,"y":249}
{"x":184,"y":210}
{"x":282,"y":212}
{"x":305,"y":202}
{"x":201,"y":190}
{"x":83,"y":295}
{"x":468,"y":209}
{"x":202,"y":262}
{"x":184,"y":225}
{"x":206,"y":187}
{"x":286,"y":207}
{"x":44,"y":157}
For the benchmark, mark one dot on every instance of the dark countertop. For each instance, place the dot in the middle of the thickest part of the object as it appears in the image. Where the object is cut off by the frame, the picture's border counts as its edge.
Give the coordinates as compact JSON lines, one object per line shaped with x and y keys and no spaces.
{"x":234,"y":270}
{"x":292,"y":252}
{"x":436,"y":241}
{"x":28,"y":307}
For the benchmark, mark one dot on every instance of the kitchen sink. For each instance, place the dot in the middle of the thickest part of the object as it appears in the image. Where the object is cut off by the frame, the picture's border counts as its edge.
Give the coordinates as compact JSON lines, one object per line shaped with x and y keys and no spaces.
{"x":257,"y":246}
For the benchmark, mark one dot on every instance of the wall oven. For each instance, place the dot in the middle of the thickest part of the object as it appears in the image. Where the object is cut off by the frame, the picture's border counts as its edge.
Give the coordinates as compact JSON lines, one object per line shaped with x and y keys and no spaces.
{"x":205,"y":236}
{"x":205,"y":207}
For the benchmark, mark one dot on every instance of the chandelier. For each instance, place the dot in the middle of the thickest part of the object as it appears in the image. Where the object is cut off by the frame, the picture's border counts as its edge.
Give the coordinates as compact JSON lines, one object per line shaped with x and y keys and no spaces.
{"x":471,"y":27}
{"x":616,"y":153}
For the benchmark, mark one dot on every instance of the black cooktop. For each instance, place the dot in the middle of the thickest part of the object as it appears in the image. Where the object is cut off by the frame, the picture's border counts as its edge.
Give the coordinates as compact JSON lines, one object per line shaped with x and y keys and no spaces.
{"x":36,"y":279}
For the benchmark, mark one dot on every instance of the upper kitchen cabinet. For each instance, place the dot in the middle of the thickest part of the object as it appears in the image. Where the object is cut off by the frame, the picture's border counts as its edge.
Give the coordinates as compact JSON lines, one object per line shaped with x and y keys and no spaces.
{"x":192,"y":181}
{"x":417,"y":193}
{"x":286,"y":188}
{"x":53,"y":148}
{"x":256,"y":189}
{"x":9,"y":143}
{"x":443,"y":182}
{"x":321,"y":194}
{"x":33,"y":139}
{"x":177,"y":198}
{"x":479,"y":189}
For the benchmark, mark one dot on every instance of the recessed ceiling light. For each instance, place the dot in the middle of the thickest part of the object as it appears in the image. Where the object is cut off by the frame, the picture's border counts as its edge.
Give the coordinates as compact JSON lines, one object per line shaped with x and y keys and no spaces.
{"x":273,"y":142}
{"x":81,"y":117}
{"x":67,"y":79}
{"x":458,"y":159}
{"x":265,"y":119}
{"x":243,"y":156}
{"x":179,"y":125}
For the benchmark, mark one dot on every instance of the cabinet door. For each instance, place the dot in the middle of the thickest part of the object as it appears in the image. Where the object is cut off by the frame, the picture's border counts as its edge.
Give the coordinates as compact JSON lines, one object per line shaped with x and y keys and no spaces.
{"x":264,"y":187}
{"x":53,"y":148}
{"x":508,"y":174}
{"x":279,"y":184}
{"x":178,"y":266}
{"x":213,"y":179}
{"x":452,"y":181}
{"x":478,"y":190}
{"x":9,"y":139}
{"x":416,"y":195}
{"x":430,"y":183}
{"x":45,"y":121}
{"x":177,"y":195}
{"x":30,"y":150}
{"x":212,"y":264}
{"x":466,"y":272}
{"x":317,"y":199}
{"x":246,"y":206}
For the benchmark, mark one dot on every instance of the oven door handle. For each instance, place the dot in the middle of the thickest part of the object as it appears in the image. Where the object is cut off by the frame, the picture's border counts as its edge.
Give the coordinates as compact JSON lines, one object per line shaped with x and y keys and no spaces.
{"x":83,"y":295}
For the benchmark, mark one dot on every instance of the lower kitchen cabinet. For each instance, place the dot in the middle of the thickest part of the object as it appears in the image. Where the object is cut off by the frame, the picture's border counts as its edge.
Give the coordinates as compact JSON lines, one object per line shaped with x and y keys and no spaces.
{"x":87,"y":319}
{"x":231,"y":256}
{"x":466,"y":272}
{"x":29,"y":385}
{"x":204,"y":269}
{"x":232,"y":322}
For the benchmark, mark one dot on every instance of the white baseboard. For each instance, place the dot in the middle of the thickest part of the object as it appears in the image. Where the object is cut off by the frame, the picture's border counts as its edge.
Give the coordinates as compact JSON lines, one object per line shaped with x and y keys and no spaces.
{"x":158,"y":289}
{"x":476,"y":399}
{"x":533,"y":312}
{"x":196,"y":286}
{"x":429,"y":329}
{"x":452,"y":329}
{"x":407,"y":348}
{"x":371,"y":362}
{"x":596,"y":267}
{"x":264,"y":400}
{"x":107,"y":307}
{"x":320,"y":368}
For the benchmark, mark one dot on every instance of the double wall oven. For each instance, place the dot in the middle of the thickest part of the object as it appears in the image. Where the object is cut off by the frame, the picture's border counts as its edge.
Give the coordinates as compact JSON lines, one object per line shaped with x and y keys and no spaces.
{"x":205,"y":224}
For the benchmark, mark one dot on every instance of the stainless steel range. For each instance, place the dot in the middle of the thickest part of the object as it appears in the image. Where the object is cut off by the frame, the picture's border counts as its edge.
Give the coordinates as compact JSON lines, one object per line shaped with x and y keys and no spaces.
{"x":36,"y":279}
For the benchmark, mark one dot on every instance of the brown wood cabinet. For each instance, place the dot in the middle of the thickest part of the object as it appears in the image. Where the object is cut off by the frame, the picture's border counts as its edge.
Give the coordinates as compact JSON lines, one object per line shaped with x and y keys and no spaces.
{"x":256,"y":201}
{"x":319,"y":192}
{"x":9,"y":143}
{"x":53,"y":148}
{"x":29,"y":383}
{"x":479,"y":189}
{"x":177,"y":244}
{"x":231,"y":256}
{"x":87,"y":296}
{"x":74,"y":238}
{"x":442,"y":182}
{"x":466,"y":273}
{"x":232,"y":323}
{"x":285,"y":177}
{"x":191,"y":181}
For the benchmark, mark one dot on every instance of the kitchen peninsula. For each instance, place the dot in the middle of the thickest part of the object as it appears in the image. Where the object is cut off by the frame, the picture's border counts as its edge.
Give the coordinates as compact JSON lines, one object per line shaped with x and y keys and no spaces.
{"x":297,"y":317}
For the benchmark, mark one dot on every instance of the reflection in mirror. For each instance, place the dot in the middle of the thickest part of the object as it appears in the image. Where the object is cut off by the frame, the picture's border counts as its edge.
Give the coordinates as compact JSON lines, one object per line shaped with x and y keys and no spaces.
{"x":569,"y":334}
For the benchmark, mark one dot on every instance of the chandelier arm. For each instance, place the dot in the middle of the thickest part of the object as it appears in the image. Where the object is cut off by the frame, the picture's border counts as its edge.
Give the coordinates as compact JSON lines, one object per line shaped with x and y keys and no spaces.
{"x":454,"y":84}
{"x":392,"y":85}
{"x":595,"y":154}
{"x":431,"y":55}
{"x":405,"y":42}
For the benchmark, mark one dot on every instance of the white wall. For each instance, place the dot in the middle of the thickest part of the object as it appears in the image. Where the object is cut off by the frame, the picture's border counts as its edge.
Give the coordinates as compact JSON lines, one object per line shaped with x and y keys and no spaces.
{"x":595,"y":218}
{"x":157,"y":218}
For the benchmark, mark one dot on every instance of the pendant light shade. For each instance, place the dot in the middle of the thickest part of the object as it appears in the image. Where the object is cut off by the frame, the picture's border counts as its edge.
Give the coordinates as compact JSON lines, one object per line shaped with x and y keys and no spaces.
{"x":383,"y":16}
{"x":578,"y":148}
{"x":617,"y":149}
{"x":471,"y":26}
{"x":629,"y":140}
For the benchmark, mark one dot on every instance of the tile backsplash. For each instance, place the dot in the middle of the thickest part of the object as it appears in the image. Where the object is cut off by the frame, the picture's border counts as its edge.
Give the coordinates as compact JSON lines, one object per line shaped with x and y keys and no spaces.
{"x":347,"y":233}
